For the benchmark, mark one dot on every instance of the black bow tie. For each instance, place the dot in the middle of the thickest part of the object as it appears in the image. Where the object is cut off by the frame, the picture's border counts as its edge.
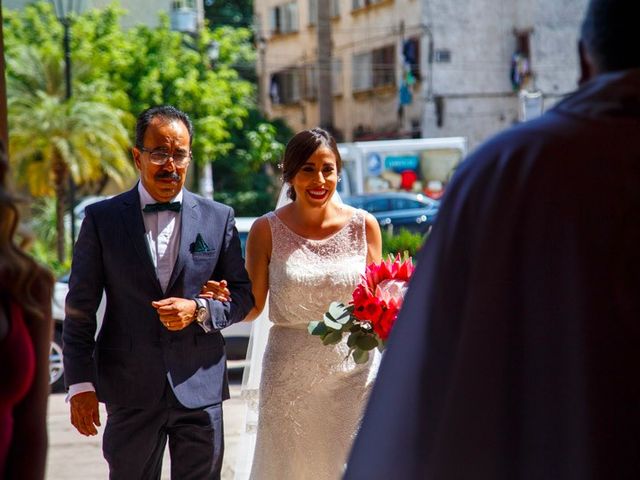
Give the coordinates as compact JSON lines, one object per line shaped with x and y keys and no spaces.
{"x":161,"y":207}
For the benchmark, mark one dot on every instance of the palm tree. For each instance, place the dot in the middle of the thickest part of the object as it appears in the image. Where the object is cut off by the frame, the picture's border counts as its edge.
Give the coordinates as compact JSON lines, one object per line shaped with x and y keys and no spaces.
{"x":52,"y":138}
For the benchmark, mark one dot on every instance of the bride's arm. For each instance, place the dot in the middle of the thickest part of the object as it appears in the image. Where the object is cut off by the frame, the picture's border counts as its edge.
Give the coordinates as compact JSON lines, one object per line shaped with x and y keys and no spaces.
{"x":257,"y":257}
{"x":374,"y":240}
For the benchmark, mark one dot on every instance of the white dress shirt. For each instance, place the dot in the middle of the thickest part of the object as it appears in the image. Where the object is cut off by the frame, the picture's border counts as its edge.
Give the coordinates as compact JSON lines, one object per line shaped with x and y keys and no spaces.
{"x":162,"y":232}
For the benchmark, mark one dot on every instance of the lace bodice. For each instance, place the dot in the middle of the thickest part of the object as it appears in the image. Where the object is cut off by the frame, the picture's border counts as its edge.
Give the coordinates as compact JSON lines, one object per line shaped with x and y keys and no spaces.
{"x":305,"y":275}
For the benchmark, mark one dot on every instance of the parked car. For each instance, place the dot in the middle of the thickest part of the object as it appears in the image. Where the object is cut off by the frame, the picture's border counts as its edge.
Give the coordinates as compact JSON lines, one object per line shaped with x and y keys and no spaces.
{"x":395,"y":210}
{"x":236,"y":336}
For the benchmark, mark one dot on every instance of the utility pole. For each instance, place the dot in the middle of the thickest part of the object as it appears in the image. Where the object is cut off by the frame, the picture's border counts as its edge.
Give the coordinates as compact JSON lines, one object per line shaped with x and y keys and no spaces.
{"x":325,"y":66}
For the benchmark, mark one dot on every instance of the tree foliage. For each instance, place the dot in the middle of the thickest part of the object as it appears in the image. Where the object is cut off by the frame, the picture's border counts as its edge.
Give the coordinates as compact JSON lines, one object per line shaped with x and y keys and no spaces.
{"x":130,"y":70}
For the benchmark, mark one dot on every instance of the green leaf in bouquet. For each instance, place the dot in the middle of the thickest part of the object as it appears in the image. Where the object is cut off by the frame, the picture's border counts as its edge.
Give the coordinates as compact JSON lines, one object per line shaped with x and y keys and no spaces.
{"x":317,"y":328}
{"x":366,"y":342}
{"x":332,"y":338}
{"x":338,"y":312}
{"x":353,"y":338}
{"x":360,"y":356}
{"x":329,"y":322}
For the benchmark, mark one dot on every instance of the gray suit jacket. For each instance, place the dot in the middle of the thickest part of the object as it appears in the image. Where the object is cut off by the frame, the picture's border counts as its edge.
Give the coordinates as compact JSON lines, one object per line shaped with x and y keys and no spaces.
{"x":134,"y":354}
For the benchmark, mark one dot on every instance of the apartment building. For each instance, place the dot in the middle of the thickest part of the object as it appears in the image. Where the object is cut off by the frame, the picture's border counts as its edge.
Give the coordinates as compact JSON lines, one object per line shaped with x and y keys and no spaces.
{"x":411,"y":68}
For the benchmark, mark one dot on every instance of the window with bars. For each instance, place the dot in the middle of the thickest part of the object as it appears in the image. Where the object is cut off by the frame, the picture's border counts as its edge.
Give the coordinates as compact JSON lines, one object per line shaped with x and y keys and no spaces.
{"x":284,"y":18}
{"x":376,"y":68}
{"x":285,"y":86}
{"x":362,"y":77}
{"x":384,"y":66}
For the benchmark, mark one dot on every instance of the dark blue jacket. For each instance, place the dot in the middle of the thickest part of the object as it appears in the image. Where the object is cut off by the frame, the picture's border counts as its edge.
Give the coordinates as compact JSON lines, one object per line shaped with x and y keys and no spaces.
{"x":134,"y":354}
{"x":516,"y":352}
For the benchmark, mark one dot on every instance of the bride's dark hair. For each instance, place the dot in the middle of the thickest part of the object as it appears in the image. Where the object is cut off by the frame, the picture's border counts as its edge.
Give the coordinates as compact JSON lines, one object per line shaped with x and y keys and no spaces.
{"x":301,"y":147}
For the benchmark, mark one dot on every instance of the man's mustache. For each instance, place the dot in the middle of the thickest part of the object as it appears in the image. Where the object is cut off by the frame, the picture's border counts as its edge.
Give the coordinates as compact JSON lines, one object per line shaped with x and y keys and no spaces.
{"x":165,"y":174}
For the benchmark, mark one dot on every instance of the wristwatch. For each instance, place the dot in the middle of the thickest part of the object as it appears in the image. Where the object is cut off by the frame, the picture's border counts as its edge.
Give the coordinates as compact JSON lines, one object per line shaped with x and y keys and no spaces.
{"x":200,"y":315}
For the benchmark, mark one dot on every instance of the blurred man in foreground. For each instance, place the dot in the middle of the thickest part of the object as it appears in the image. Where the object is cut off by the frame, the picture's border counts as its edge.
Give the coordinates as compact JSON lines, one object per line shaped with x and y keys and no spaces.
{"x":516,"y":352}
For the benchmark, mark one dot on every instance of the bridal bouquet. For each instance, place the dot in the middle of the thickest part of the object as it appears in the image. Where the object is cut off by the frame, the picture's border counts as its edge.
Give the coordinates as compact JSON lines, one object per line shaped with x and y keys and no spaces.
{"x":370,"y":315}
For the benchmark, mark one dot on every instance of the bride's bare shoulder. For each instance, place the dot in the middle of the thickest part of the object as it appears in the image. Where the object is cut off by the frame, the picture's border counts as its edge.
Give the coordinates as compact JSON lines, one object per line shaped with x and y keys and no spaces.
{"x":347,"y":210}
{"x":260,"y":227}
{"x":283,"y":212}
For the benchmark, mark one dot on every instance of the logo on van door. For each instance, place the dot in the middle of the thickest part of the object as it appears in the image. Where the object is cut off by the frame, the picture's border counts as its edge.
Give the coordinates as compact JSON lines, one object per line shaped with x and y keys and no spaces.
{"x":374,"y":164}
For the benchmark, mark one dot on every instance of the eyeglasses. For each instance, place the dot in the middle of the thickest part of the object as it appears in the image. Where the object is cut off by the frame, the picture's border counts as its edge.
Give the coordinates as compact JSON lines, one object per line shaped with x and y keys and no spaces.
{"x":160,"y":158}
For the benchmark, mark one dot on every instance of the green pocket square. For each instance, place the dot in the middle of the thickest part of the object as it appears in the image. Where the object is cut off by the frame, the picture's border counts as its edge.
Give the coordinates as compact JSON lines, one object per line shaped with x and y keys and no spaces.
{"x":199,"y":245}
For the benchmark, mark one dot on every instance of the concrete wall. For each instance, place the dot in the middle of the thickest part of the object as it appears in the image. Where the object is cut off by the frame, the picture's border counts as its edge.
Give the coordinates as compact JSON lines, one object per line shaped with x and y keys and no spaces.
{"x":555,"y":44}
{"x":475,"y":85}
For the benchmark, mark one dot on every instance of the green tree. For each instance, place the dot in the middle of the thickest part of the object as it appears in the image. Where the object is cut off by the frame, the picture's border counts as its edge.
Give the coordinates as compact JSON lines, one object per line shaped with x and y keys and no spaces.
{"x":230,"y":134}
{"x":140,"y":67}
{"x":52,"y":138}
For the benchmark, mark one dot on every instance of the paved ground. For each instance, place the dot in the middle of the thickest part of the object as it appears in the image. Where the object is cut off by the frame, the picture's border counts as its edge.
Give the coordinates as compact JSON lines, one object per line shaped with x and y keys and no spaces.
{"x":74,"y":457}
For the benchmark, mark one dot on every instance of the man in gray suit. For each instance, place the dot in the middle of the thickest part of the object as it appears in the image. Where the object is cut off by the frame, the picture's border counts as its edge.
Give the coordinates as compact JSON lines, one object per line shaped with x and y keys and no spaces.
{"x":158,"y":362}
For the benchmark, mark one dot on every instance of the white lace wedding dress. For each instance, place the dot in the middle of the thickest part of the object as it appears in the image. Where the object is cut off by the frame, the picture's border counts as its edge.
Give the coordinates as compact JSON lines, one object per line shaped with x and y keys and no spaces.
{"x":311,"y":396}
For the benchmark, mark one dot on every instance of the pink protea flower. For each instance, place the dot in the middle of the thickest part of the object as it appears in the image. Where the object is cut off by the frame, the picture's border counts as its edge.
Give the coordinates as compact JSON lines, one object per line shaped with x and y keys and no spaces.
{"x":379,"y":295}
{"x":368,"y":319}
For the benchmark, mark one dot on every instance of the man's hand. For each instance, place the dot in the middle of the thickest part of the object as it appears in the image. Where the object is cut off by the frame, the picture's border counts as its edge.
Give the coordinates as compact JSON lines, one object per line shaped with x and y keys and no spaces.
{"x":175,"y":313}
{"x":216,"y":290}
{"x":85,"y":415}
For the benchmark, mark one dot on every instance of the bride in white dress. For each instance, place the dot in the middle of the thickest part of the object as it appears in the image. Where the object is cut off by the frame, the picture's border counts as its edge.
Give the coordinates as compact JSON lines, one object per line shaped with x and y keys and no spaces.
{"x":306,"y":255}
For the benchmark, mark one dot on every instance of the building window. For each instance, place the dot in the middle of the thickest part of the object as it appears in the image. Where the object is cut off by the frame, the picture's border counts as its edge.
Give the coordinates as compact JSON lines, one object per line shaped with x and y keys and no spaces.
{"x":358,"y":4}
{"x":184,"y":17}
{"x":362,"y":72}
{"x":310,"y":82}
{"x":336,"y":76}
{"x":182,"y":4}
{"x":411,"y":57}
{"x":334,"y":10}
{"x":376,"y":68}
{"x":384,"y":66}
{"x":284,"y":18}
{"x":521,"y":74}
{"x":285,"y":86}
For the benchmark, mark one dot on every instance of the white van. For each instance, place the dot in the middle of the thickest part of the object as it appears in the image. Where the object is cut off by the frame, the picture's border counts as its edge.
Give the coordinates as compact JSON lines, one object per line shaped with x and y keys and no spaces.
{"x":421,"y":165}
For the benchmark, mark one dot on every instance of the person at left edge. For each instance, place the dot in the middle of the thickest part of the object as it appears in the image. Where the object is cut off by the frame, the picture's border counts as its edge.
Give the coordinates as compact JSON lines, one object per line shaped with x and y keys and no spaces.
{"x":158,"y":362}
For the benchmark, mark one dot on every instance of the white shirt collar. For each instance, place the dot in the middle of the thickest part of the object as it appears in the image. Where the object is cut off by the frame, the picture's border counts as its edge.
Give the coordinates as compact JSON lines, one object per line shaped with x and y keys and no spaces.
{"x":146,"y":198}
